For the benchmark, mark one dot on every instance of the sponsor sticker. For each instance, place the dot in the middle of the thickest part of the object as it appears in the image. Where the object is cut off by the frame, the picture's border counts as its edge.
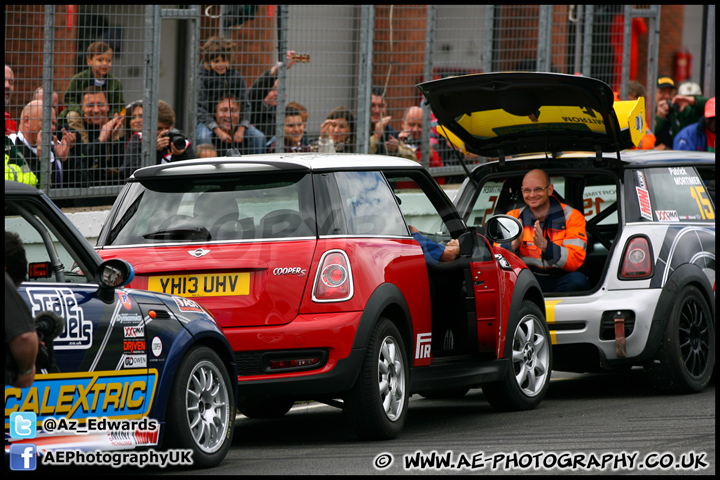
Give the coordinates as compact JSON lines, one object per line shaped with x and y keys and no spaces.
{"x":667,"y":215}
{"x":127,"y":394}
{"x":156,"y":346}
{"x":187,"y":305}
{"x":644,"y":201}
{"x":78,"y":332}
{"x":424,"y":344}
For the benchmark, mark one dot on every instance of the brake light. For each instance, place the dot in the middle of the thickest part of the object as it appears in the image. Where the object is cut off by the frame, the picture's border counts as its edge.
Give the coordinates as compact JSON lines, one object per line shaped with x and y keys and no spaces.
{"x":333,"y":282}
{"x":637,"y":260}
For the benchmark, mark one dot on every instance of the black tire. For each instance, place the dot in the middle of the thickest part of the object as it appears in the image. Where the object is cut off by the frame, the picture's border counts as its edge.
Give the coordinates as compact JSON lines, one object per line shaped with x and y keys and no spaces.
{"x":201,"y":383}
{"x":449,"y":394}
{"x":377,"y":404}
{"x":265,"y":406}
{"x":685,"y":358}
{"x":529,"y":348}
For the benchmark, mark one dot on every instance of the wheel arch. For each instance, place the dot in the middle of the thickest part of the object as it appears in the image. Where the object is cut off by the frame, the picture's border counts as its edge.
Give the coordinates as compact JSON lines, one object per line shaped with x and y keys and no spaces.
{"x":526,"y":288}
{"x":386,"y":301}
{"x":687,"y":274}
{"x":182,"y":344}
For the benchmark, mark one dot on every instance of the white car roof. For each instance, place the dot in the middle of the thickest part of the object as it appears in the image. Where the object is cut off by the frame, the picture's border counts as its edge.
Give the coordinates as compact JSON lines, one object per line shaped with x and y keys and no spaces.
{"x":269,"y":162}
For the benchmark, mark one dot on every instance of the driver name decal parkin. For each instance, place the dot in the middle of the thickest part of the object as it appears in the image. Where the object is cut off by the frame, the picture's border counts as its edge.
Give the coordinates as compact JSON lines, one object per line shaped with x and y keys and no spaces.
{"x":78,"y":332}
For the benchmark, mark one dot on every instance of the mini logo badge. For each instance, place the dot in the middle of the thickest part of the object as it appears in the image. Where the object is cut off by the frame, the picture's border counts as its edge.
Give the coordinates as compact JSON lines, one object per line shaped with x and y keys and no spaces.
{"x":198,"y":252}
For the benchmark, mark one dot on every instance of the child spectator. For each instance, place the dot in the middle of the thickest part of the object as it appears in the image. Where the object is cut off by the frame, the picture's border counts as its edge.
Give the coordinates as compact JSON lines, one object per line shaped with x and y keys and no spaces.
{"x":99,"y":58}
{"x":218,"y":79}
{"x":206,"y":150}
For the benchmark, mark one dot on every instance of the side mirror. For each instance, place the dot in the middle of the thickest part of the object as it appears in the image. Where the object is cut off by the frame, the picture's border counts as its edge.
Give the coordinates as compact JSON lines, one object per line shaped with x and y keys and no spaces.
{"x":503,"y":229}
{"x":112,"y":274}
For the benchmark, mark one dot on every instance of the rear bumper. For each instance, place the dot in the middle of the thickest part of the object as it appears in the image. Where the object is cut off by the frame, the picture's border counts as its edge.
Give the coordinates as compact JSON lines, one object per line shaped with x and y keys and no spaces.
{"x":332,"y":333}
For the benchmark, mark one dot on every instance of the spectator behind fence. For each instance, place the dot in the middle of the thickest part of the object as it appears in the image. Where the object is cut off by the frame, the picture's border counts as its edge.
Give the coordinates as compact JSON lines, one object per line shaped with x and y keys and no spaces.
{"x":10,"y":124}
{"x":263,"y":98}
{"x":218,"y":79}
{"x":228,"y":111}
{"x":384,"y":139}
{"x":28,"y":140}
{"x":700,"y":136}
{"x":16,"y":168}
{"x":674,"y":112}
{"x":171,"y":144}
{"x":99,"y":58}
{"x":294,"y":131}
{"x":411,"y":136}
{"x":99,"y":133}
{"x":38,"y":95}
{"x":635,"y":91}
{"x":337,"y":133}
{"x":304,"y":114}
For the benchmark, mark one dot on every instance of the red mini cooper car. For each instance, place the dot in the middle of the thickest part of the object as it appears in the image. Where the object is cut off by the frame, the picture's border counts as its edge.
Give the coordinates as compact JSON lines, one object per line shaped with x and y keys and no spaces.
{"x":309,"y":266}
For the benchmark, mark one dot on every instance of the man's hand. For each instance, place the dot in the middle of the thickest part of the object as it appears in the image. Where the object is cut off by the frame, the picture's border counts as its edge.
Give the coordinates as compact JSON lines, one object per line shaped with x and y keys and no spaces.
{"x":239,"y":134}
{"x":451,"y":252}
{"x":111,"y":129}
{"x":63,"y":147}
{"x":662,"y":109}
{"x":683,"y":101}
{"x":289,"y":61}
{"x":163,"y":142}
{"x":540,"y":241}
{"x":222,"y":135}
{"x":24,"y":381}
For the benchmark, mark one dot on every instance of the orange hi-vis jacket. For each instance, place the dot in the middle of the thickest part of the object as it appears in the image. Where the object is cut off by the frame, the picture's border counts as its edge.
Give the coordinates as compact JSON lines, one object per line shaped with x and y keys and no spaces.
{"x":564,"y":228}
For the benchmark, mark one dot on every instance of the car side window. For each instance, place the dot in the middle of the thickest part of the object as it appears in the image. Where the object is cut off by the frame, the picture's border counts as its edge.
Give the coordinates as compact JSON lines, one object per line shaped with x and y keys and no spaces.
{"x":33,"y":236}
{"x":600,"y":194}
{"x":369,"y":205}
{"x":676,"y":194}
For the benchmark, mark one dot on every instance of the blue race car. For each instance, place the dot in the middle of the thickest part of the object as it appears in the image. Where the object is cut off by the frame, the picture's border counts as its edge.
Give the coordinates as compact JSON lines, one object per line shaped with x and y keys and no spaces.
{"x":123,"y":354}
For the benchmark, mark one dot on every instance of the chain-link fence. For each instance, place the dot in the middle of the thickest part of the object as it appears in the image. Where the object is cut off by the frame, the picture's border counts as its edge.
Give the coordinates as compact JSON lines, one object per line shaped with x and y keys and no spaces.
{"x":272,"y":78}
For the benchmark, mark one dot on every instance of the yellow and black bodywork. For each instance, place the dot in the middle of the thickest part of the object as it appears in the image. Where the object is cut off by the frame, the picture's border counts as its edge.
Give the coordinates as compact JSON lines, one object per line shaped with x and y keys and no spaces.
{"x":499,"y":114}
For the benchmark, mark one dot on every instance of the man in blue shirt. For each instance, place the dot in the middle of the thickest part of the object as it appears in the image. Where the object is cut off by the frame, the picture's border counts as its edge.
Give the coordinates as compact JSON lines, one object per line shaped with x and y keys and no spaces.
{"x":434,"y":252}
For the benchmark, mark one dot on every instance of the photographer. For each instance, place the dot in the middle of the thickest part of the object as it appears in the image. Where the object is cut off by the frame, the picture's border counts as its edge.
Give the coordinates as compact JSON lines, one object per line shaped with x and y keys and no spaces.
{"x":21,"y":341}
{"x":172,"y":145}
{"x":674,"y":112}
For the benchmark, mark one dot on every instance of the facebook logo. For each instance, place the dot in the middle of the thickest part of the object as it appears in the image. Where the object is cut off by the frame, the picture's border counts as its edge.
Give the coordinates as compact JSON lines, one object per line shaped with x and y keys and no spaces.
{"x":23,"y":456}
{"x":23,"y":425}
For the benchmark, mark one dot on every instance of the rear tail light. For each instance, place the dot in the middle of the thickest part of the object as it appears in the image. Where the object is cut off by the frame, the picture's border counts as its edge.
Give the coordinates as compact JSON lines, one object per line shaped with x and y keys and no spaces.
{"x":637,"y":259}
{"x":333,"y":282}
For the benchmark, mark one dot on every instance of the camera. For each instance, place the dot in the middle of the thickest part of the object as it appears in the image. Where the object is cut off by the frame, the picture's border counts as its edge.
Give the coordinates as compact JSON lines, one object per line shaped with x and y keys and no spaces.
{"x":176,"y":137}
{"x":674,"y":107}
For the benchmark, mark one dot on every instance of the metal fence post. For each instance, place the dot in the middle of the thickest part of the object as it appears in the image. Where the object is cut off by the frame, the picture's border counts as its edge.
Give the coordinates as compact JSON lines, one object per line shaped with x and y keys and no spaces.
{"x":367,"y":22}
{"x":625,"y":64}
{"x":545,"y":26}
{"x":653,"y":52}
{"x":427,"y":76}
{"x":192,"y":84}
{"x":487,"y":56}
{"x":47,"y":131}
{"x":282,"y":19}
{"x":587,"y":40}
{"x":151,"y":84}
{"x":708,"y":67}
